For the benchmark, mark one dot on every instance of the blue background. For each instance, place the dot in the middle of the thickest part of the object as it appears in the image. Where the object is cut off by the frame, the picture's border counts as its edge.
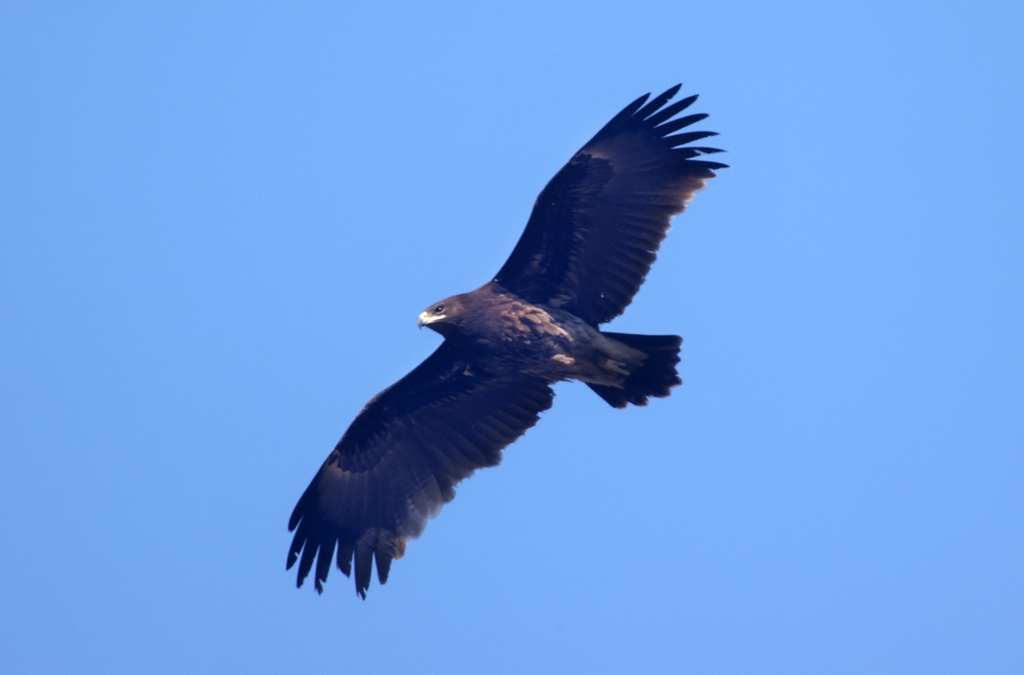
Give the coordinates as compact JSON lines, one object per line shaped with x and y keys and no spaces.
{"x":220,"y":220}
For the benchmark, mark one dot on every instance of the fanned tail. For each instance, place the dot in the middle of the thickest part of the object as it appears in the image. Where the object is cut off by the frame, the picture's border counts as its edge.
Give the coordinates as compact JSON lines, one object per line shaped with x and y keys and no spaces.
{"x":654,"y":377}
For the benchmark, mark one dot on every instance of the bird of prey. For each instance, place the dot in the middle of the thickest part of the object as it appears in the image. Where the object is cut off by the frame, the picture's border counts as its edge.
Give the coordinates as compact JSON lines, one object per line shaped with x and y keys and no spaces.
{"x":591,"y":239}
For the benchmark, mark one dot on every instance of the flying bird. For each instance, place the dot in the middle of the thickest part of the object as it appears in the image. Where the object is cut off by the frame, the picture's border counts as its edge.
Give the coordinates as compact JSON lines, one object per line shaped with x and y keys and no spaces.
{"x":591,"y":239}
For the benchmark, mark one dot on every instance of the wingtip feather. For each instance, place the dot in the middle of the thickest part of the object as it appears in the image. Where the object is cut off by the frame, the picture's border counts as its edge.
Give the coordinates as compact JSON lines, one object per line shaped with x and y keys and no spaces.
{"x":670,"y":111}
{"x":658,"y":101}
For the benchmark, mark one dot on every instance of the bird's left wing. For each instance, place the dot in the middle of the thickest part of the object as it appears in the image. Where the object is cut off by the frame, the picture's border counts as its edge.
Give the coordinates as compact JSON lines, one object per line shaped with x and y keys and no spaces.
{"x":401,"y":458}
{"x":597,"y":225}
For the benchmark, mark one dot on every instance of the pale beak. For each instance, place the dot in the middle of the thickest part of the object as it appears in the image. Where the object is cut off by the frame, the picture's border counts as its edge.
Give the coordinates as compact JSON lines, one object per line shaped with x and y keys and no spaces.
{"x":427,"y":318}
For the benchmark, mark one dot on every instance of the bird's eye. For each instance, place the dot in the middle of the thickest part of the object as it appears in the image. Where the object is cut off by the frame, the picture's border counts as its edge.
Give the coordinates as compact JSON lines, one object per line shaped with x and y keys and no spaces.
{"x":438,"y":309}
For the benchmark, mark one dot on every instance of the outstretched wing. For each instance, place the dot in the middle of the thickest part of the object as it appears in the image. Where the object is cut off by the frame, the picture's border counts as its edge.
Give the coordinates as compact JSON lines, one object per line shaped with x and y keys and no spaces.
{"x":399,"y":462}
{"x":596,"y":227}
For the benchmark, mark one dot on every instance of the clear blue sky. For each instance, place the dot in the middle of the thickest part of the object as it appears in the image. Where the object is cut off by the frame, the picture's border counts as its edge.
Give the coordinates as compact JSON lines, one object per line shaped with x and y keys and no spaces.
{"x":219,"y":222}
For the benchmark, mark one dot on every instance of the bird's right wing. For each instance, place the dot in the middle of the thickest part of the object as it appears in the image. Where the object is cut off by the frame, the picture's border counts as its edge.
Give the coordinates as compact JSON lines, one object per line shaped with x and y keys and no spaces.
{"x":401,"y":458}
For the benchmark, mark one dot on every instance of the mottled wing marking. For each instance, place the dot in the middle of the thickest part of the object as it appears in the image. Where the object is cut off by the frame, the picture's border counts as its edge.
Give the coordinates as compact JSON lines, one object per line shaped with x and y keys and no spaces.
{"x":519,"y":319}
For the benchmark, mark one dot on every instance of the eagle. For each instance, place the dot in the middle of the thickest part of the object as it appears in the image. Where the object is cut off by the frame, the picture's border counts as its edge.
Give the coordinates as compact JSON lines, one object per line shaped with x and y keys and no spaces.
{"x":590,"y":241}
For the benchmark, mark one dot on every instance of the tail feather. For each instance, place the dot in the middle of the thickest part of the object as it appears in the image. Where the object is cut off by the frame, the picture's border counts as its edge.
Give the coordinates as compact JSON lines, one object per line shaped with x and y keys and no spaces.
{"x":654,"y":377}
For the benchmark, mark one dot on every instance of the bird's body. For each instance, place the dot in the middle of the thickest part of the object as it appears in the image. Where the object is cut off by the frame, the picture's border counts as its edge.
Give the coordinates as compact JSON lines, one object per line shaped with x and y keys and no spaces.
{"x":511,"y":334}
{"x":591,"y":239}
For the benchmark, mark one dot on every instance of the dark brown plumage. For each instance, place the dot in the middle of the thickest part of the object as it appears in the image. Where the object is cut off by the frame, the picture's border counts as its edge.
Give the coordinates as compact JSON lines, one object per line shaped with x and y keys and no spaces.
{"x":590,"y":242}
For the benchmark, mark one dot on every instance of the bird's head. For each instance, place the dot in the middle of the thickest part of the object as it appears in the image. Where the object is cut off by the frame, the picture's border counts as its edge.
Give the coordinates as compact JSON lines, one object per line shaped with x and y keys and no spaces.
{"x":444,"y":316}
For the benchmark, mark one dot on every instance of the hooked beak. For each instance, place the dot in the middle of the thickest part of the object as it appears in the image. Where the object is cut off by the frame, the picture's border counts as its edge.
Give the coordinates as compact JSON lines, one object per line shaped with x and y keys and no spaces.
{"x":426,"y":318}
